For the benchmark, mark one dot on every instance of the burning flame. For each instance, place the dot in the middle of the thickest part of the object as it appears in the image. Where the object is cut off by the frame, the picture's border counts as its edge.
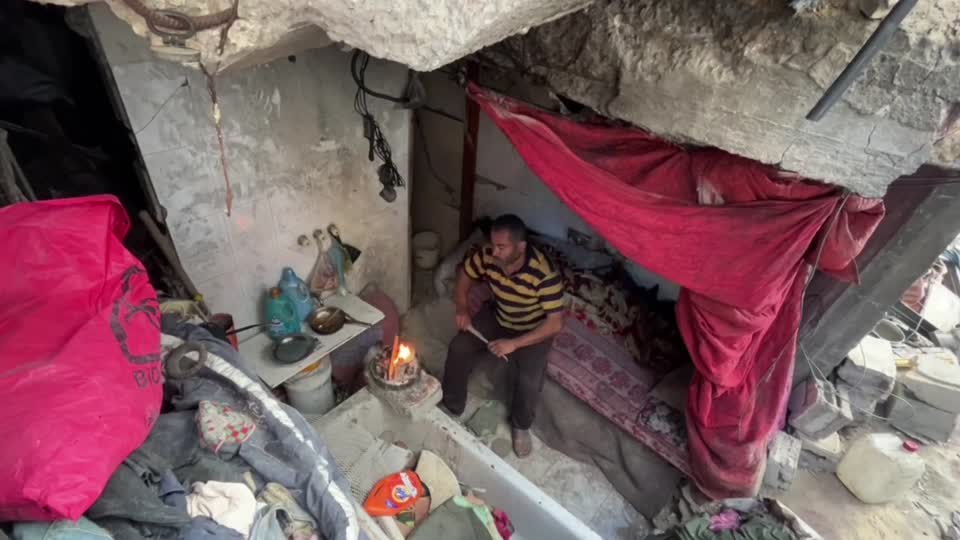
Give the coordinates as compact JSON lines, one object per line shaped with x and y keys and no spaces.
{"x":403,"y":355}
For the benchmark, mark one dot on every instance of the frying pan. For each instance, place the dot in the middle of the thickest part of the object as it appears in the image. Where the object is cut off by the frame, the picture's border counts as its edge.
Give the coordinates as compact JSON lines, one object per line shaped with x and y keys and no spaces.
{"x":291,"y":349}
{"x":287,"y":350}
{"x":328,"y":320}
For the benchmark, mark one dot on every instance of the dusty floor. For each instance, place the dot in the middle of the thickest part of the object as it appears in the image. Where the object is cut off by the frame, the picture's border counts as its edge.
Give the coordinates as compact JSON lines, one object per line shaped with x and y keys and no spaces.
{"x":580,"y":487}
{"x":822,"y":501}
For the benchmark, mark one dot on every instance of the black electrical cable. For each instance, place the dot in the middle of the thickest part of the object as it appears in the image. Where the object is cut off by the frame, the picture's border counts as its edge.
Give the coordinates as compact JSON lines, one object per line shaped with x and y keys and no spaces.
{"x":390,"y":176}
{"x":358,"y":65}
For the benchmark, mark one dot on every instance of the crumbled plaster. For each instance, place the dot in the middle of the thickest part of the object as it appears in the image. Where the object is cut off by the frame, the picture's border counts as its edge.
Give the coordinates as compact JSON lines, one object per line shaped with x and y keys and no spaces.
{"x":297,"y":160}
{"x":741,"y":75}
{"x":422,"y":34}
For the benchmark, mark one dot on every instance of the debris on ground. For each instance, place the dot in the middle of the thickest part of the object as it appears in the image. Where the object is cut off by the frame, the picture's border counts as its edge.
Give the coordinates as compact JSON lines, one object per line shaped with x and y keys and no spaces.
{"x":783,"y":457}
{"x":733,"y":519}
{"x":821,"y":454}
{"x":816,"y":411}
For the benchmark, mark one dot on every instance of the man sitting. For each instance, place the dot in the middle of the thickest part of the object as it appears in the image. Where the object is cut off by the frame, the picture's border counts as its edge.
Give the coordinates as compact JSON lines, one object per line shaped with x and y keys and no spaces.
{"x":526,"y":313}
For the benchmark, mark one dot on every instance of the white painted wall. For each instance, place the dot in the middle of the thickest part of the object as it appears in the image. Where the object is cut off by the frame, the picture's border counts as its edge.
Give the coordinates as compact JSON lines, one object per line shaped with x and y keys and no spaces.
{"x":525,"y":194}
{"x":297,"y":161}
{"x":516,"y":189}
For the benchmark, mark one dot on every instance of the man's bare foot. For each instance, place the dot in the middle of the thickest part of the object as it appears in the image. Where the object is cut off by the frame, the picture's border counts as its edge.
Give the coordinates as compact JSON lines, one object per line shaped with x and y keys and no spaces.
{"x":522,"y":442}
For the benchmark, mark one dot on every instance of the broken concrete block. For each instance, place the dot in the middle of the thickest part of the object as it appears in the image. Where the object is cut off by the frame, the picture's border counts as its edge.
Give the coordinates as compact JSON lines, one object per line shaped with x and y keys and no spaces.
{"x":815,"y":410}
{"x":812,"y":462}
{"x":918,"y":419}
{"x":783,"y":457}
{"x":935,"y":379}
{"x":862,"y":403}
{"x":829,"y":447}
{"x":413,"y":401}
{"x":821,"y":455}
{"x":871,"y":367}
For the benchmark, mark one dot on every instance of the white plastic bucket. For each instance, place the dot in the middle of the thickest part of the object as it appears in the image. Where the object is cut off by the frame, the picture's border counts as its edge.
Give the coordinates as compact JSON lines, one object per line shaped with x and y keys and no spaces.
{"x":426,"y":250}
{"x":311,"y":390}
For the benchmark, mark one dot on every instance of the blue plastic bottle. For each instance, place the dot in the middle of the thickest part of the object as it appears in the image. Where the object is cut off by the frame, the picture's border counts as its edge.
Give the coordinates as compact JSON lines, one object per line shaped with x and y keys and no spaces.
{"x":296,"y":290}
{"x":282,"y":317}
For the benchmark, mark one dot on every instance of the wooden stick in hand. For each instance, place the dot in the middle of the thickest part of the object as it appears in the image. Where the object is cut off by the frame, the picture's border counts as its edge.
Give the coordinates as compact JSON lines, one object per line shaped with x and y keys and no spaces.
{"x":481,"y":337}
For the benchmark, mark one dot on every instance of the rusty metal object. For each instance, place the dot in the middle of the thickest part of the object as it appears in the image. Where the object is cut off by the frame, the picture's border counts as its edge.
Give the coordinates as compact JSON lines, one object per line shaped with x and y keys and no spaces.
{"x":177,"y":23}
{"x":328,"y":320}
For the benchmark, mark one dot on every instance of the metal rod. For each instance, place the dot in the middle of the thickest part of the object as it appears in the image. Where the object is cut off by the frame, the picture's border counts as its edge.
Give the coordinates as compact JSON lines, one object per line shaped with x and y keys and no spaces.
{"x":874,"y":43}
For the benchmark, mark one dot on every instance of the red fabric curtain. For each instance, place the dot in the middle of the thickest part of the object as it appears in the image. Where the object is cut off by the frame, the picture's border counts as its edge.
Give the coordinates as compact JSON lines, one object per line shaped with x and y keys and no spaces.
{"x":739,"y":240}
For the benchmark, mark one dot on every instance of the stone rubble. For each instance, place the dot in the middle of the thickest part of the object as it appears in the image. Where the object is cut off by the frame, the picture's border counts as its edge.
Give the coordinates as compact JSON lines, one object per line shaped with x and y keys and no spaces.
{"x":816,"y":411}
{"x":783,"y":458}
{"x":870,"y":368}
{"x":918,"y":419}
{"x":935,"y":380}
{"x":863,"y":403}
{"x":821,"y":455}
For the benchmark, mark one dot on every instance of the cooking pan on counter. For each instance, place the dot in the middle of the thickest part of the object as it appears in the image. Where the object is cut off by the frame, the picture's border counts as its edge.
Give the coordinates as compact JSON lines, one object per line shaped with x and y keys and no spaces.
{"x":329,"y":320}
{"x":294,"y":348}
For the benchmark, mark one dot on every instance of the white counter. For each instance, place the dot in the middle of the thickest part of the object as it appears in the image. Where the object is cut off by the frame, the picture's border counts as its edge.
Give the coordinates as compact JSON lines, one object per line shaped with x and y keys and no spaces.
{"x":259,"y":349}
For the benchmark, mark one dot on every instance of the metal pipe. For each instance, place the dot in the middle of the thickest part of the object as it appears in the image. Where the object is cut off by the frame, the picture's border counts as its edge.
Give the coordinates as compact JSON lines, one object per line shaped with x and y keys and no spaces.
{"x":877,"y":40}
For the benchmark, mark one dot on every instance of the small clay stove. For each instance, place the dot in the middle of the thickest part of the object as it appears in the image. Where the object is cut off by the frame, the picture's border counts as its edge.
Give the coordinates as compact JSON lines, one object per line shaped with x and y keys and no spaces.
{"x":393,"y":368}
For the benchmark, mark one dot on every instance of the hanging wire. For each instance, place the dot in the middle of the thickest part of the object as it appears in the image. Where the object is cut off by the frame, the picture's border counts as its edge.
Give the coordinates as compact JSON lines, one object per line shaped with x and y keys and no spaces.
{"x":815,"y":370}
{"x":447,"y":186}
{"x":390,"y":176}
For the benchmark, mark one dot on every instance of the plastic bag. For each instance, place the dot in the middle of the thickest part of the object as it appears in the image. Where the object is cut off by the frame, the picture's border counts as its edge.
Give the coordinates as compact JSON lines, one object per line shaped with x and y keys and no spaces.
{"x":80,"y":371}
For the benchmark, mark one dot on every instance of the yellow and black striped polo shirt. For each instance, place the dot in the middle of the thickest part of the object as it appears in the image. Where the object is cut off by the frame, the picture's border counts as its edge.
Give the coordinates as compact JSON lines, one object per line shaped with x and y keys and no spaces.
{"x":525,"y":298}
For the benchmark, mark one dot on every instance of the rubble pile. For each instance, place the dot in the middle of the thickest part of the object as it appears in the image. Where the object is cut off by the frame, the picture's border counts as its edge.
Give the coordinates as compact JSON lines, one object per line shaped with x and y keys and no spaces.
{"x":910,"y":387}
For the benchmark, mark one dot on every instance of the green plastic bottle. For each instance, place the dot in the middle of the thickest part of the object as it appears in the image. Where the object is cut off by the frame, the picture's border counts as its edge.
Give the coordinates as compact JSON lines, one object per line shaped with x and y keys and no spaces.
{"x":282,"y":318}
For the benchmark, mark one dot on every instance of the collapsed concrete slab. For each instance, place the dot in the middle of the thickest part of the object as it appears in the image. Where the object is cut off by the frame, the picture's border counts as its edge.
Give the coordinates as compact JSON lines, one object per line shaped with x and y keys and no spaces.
{"x":935,"y":380}
{"x":816,"y":411}
{"x":918,"y":419}
{"x":742,"y":76}
{"x":422,"y":35}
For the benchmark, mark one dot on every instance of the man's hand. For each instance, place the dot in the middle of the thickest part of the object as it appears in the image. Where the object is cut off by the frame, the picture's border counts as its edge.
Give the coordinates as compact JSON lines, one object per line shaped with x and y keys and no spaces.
{"x":502,"y":347}
{"x":463,"y":319}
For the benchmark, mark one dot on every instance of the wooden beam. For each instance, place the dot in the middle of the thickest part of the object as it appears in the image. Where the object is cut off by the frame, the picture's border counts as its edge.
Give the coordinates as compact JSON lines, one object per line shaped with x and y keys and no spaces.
{"x":468,"y":178}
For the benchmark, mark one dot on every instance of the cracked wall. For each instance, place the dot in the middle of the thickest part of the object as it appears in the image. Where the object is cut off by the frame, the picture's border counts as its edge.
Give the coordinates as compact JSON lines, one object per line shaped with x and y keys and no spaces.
{"x":741,"y":76}
{"x":296,"y":157}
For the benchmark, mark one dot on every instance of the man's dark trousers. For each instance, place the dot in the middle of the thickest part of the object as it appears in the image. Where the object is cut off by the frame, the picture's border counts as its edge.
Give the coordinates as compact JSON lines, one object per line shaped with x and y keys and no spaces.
{"x":527,"y":367}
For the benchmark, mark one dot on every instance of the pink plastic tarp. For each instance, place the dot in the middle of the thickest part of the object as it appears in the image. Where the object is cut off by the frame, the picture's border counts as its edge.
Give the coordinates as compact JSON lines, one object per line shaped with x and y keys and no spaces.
{"x":80,"y":373}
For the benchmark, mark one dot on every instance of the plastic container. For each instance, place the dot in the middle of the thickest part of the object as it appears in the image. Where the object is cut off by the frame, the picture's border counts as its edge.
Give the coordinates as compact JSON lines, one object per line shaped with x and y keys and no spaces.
{"x":282,"y":317}
{"x":880,"y":467}
{"x":296,"y":290}
{"x":426,"y":250}
{"x":889,"y":331}
{"x":311,"y":390}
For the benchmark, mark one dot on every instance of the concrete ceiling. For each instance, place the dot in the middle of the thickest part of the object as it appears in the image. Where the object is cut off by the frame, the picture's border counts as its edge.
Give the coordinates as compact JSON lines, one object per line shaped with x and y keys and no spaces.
{"x":422,"y":34}
{"x":741,"y":75}
{"x":736,"y":74}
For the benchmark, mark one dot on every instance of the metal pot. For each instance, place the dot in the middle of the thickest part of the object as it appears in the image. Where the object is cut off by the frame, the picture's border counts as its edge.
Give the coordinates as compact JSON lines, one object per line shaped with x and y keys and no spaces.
{"x":329,"y":320}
